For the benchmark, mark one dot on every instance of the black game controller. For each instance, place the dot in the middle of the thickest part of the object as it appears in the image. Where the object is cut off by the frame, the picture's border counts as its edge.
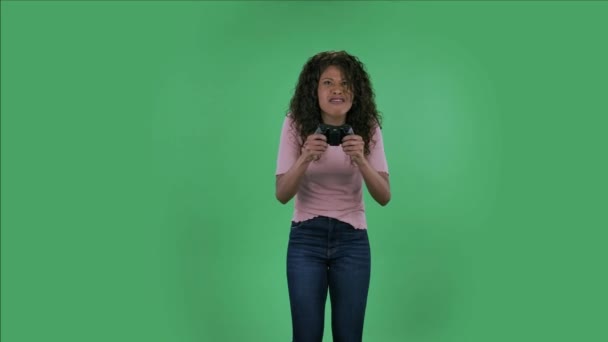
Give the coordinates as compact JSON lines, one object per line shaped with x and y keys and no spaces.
{"x":334,"y":134}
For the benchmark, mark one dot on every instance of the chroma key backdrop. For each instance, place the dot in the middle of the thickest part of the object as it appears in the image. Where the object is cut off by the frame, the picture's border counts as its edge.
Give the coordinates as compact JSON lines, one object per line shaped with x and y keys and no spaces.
{"x":139,"y":145}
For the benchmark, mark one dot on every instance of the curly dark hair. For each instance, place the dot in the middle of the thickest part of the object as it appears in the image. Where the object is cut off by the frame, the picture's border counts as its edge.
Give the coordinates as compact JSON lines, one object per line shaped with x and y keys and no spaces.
{"x":304,"y":108}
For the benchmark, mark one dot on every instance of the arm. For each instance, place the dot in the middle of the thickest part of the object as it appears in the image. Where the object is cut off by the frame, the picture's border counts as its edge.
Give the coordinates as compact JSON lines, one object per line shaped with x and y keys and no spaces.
{"x":377,"y":182}
{"x":288,"y":183}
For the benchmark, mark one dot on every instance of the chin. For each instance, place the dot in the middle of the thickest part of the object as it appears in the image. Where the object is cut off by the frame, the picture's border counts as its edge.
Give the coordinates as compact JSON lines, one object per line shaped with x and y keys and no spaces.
{"x":337,"y":113}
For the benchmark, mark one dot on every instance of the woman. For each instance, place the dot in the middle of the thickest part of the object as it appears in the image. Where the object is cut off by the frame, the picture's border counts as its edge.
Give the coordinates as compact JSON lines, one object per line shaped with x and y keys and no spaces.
{"x":328,"y":242}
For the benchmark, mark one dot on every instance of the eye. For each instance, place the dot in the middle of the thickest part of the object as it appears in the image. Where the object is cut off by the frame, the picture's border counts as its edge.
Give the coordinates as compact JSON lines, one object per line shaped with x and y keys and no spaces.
{"x":327,"y":82}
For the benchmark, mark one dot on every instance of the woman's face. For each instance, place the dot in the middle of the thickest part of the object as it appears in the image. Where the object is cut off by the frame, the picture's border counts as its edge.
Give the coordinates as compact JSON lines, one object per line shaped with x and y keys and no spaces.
{"x":335,"y":98}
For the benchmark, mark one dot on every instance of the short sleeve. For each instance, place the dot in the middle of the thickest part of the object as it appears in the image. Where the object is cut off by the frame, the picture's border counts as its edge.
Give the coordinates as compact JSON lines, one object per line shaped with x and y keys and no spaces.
{"x":376,"y":157}
{"x":289,"y":147}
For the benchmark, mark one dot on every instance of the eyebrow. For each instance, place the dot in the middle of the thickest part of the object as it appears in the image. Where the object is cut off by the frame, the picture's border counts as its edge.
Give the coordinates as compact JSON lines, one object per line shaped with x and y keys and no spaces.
{"x":330,"y":78}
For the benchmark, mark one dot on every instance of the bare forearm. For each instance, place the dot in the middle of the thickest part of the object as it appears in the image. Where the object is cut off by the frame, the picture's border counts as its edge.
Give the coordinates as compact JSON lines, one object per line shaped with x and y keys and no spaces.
{"x":377,"y":183}
{"x":288,"y":183}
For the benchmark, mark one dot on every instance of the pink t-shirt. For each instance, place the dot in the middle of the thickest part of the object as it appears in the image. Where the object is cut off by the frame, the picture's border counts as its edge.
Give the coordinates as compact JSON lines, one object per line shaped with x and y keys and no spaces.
{"x":331,"y":186}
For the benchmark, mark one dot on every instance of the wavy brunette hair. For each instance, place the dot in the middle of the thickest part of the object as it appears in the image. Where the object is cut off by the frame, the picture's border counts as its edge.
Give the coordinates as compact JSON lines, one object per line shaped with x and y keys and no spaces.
{"x":304,"y":108}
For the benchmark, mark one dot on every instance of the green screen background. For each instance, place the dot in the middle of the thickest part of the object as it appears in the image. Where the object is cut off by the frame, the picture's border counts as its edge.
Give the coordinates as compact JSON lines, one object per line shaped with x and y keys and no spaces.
{"x":139,"y":144}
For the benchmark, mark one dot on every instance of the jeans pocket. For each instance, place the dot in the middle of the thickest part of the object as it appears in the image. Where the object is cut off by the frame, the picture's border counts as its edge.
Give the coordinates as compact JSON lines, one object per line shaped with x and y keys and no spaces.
{"x":296,"y":225}
{"x":358,"y":235}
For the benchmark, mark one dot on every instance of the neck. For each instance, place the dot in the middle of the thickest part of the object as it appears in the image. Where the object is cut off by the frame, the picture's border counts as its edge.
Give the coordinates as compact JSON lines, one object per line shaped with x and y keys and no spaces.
{"x":332,"y":120}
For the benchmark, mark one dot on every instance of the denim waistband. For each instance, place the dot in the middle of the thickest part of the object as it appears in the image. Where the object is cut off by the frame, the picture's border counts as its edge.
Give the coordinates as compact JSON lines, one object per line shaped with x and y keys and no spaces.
{"x":321,"y":221}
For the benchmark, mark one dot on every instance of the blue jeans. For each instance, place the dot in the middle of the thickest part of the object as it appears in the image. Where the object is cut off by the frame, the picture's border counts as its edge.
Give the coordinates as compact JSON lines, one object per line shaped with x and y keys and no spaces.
{"x":325,"y":253}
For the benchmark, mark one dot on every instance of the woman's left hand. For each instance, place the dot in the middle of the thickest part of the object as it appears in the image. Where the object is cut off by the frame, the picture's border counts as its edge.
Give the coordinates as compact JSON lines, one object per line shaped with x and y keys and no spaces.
{"x":353,"y":146}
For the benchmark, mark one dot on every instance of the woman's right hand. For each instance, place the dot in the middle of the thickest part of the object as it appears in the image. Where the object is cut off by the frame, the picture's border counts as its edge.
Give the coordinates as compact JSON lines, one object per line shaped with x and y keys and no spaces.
{"x":314,"y":146}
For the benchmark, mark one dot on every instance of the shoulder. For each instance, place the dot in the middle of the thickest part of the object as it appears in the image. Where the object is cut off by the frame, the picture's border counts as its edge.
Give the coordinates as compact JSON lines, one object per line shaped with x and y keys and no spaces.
{"x":376,"y":141}
{"x":289,"y":123}
{"x":376,"y":133}
{"x":289,"y":129}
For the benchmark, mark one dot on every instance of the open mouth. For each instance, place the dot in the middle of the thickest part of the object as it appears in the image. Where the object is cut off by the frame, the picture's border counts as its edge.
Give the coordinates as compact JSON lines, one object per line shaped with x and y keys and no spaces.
{"x":336,"y":100}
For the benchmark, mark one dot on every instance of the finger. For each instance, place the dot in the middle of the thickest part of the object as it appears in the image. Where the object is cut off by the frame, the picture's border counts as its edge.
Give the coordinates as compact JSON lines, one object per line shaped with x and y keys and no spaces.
{"x":318,"y":137}
{"x":352,"y":148}
{"x":316,"y":156}
{"x":317,"y":147}
{"x":352,"y":137}
{"x":315,"y":143}
{"x":352,"y":144}
{"x":322,"y":146}
{"x":312,"y":139}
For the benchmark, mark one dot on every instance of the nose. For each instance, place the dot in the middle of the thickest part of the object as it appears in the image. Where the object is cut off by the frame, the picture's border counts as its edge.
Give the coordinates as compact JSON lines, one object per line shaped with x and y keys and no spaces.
{"x":337,"y":90}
